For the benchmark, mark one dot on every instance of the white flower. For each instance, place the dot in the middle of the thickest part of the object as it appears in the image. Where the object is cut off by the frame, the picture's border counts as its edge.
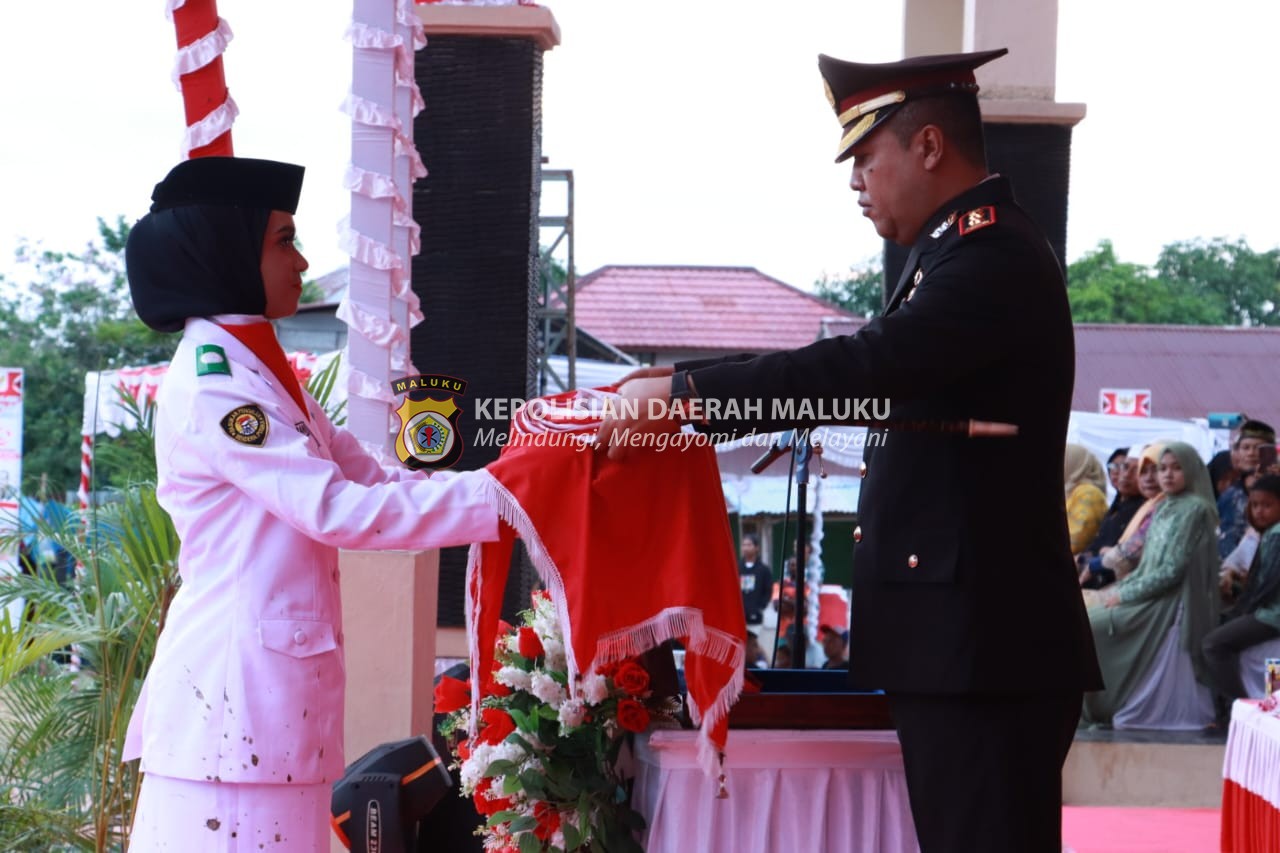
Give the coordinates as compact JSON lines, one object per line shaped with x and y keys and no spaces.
{"x":513,"y":677}
{"x":554,"y":650}
{"x":572,"y":714}
{"x":472,"y":770}
{"x":548,"y":689}
{"x":595,"y":689}
{"x":547,"y":626}
{"x":507,"y":751}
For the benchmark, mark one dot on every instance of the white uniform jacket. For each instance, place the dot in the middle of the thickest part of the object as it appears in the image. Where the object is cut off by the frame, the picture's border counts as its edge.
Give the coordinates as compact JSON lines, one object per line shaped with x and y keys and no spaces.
{"x":248,"y":679}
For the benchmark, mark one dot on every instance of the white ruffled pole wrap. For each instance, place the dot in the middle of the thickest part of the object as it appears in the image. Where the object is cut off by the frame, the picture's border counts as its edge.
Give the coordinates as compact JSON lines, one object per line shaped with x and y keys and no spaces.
{"x":380,"y":234}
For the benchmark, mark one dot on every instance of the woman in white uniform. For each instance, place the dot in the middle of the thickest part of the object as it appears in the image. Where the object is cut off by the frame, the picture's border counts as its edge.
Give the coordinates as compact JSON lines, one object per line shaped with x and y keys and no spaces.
{"x":239,"y":725}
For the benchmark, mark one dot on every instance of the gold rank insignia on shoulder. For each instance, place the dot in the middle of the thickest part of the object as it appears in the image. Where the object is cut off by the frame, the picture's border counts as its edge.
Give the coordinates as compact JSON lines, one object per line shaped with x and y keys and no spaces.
{"x":247,"y":425}
{"x":979,"y":217}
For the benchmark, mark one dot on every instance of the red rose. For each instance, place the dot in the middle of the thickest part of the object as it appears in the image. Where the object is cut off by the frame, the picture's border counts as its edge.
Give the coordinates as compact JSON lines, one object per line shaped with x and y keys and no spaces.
{"x":504,"y":628}
{"x":608,"y":669}
{"x":530,"y":645}
{"x":485,"y":805}
{"x":548,"y":817}
{"x":494,"y":687}
{"x":464,"y":749}
{"x":631,"y":678}
{"x":451,"y":694}
{"x":497,"y":725}
{"x":540,"y":595}
{"x":632,"y":716}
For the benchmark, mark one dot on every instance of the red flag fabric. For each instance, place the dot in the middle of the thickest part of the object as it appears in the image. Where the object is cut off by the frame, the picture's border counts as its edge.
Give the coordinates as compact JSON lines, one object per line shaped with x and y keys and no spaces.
{"x":633,"y":553}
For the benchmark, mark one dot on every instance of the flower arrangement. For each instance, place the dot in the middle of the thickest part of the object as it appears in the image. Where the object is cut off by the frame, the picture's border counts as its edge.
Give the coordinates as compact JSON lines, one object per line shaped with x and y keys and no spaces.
{"x":543,"y":766}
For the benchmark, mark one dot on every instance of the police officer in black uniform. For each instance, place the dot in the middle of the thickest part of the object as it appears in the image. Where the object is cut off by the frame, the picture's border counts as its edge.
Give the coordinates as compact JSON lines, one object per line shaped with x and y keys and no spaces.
{"x":966,"y":607}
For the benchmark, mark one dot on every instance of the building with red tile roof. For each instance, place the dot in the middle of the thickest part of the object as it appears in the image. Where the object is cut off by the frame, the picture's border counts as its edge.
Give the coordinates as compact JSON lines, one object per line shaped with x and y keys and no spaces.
{"x":1189,"y":370}
{"x":663,"y":314}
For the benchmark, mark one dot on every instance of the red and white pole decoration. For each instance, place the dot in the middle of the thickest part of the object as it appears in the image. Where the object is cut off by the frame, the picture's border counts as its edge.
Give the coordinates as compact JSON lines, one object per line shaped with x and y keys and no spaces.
{"x":197,"y":70}
{"x":86,"y":470}
{"x":380,"y":234}
{"x":210,"y":112}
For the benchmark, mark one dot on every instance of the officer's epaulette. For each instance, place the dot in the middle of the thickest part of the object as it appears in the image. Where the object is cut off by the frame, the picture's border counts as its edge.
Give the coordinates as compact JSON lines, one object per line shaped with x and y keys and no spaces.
{"x":979,"y":217}
{"x":211,"y":358}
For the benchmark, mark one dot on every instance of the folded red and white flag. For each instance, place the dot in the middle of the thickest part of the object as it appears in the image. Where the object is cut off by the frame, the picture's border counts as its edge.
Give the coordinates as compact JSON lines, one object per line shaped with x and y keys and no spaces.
{"x":633,"y":553}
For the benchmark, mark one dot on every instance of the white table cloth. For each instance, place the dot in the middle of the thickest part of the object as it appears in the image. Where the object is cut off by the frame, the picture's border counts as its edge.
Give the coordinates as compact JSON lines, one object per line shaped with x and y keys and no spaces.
{"x":1251,"y":781}
{"x":789,"y":791}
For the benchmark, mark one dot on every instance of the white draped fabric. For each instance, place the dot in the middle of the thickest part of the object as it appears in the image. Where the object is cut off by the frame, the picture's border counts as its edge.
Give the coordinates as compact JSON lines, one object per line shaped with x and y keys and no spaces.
{"x":1253,"y":751}
{"x":788,"y":791}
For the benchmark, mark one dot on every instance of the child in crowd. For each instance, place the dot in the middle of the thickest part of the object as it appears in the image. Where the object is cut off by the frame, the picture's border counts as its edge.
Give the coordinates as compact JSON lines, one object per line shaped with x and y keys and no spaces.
{"x":1255,"y":617}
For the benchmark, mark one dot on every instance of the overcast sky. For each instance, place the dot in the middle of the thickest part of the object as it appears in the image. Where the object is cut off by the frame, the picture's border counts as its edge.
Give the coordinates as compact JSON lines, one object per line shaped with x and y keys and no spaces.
{"x":697,"y":129}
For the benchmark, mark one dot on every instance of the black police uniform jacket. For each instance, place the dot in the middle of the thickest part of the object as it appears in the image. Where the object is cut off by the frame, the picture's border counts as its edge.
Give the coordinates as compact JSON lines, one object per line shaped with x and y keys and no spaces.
{"x":962,"y":580}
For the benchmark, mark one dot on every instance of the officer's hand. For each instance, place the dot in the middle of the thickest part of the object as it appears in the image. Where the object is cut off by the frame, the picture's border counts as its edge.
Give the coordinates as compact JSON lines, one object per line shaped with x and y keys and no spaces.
{"x":642,"y":413}
{"x":647,"y":373}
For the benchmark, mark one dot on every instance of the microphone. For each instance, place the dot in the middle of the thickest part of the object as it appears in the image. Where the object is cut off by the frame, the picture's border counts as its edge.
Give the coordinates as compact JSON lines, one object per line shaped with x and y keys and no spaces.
{"x":781,"y":446}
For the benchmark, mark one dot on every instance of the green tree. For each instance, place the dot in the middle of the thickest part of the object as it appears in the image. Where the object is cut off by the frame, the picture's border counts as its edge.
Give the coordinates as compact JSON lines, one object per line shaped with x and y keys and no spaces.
{"x":1104,"y":289}
{"x":861,"y":291}
{"x":1246,"y":283}
{"x":62,"y":314}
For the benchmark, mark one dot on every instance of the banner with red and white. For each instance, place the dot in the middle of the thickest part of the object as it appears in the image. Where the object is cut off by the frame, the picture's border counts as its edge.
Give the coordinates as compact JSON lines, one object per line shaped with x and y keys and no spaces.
{"x":1130,"y":402}
{"x":10,"y":470}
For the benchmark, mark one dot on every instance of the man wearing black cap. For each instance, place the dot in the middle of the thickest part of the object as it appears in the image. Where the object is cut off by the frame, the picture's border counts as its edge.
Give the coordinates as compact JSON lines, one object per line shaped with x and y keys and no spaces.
{"x":984,"y":652}
{"x":239,"y":724}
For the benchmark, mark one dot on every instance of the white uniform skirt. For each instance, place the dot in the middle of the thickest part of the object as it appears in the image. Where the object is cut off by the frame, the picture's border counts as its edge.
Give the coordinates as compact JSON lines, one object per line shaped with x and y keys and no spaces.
{"x":186,"y":816}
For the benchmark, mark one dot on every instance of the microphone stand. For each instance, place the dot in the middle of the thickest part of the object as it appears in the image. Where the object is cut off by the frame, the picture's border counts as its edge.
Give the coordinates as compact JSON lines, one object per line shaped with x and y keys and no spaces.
{"x":800,"y":640}
{"x":801,"y":446}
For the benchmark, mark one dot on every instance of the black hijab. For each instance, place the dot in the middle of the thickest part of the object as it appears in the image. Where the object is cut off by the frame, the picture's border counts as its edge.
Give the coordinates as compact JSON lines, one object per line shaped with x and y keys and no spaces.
{"x":199,"y":251}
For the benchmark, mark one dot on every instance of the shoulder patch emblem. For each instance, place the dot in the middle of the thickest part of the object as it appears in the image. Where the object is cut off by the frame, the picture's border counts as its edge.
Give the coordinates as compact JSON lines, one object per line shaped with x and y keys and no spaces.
{"x":979,"y":217}
{"x":946,"y":223}
{"x":211,"y":358}
{"x":247,"y":425}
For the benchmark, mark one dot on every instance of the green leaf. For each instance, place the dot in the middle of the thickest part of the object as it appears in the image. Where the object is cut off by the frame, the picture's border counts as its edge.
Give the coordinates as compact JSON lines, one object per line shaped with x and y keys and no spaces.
{"x":501,"y":767}
{"x":529,"y":842}
{"x":523,"y":721}
{"x":572,"y":837}
{"x":533,"y":785}
{"x":524,"y":823}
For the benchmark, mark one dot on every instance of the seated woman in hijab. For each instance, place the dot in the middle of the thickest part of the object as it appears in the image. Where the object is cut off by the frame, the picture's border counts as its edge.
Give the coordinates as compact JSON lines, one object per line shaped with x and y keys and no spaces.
{"x":1086,"y":490}
{"x":1118,"y":561}
{"x":1175,"y":583}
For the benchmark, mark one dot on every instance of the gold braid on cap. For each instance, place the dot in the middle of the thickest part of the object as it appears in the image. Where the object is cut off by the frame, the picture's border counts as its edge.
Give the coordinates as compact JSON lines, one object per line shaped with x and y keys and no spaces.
{"x":870,"y":106}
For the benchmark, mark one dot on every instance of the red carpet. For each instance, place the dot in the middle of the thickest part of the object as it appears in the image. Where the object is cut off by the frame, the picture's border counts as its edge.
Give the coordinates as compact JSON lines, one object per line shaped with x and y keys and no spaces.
{"x":1088,"y":829}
